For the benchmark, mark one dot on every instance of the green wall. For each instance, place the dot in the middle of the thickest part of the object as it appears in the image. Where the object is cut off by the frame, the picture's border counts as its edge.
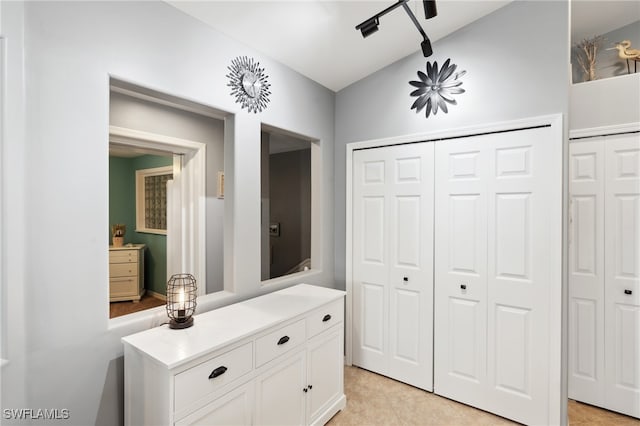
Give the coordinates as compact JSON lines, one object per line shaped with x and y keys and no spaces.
{"x":122,"y":201}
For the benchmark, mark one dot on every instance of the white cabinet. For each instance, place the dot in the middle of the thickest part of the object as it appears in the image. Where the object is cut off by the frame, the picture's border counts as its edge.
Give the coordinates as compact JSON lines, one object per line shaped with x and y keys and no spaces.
{"x":280,"y":393}
{"x":276,"y":359}
{"x":301,"y":388}
{"x":604,"y":272}
{"x":232,"y":409}
{"x":126,"y":272}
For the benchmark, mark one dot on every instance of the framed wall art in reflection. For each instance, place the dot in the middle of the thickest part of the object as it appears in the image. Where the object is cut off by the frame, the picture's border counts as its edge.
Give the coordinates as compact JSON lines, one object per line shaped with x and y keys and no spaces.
{"x":220,"y":184}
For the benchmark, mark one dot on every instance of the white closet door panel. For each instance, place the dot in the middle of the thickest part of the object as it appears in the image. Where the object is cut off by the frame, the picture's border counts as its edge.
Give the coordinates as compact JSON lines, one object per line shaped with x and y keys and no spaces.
{"x":411,"y":265}
{"x":370,"y":260}
{"x":460,"y":271}
{"x":519,"y":274}
{"x":393,"y":262}
{"x":586,"y":271}
{"x":622,"y":266}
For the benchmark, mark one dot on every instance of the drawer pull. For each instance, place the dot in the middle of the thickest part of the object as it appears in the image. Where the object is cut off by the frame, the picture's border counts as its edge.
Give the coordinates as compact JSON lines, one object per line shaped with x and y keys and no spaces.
{"x":305,"y":390}
{"x":218,"y":372}
{"x":326,"y":318}
{"x":283,"y":340}
{"x":463,"y":286}
{"x":627,"y":291}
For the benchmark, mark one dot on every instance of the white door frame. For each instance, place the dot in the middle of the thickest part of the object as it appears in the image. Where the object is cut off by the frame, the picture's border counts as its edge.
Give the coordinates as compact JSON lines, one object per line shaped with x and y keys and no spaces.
{"x":191,"y":245}
{"x":557,"y":356}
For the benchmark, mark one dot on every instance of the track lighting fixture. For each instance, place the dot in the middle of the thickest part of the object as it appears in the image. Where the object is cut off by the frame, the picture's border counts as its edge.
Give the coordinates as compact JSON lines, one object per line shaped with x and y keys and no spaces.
{"x":370,"y":26}
{"x":430,"y":9}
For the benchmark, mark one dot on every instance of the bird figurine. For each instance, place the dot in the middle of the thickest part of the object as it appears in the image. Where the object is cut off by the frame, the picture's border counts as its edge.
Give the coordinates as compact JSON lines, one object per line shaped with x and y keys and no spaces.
{"x":626,"y":52}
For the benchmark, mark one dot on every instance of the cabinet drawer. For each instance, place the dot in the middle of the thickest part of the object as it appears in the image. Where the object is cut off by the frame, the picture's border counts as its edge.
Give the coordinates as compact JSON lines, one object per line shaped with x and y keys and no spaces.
{"x":195,"y":383}
{"x":324,"y":318}
{"x":123,"y":256}
{"x":124,"y":286}
{"x":123,"y":270}
{"x":280,"y":341}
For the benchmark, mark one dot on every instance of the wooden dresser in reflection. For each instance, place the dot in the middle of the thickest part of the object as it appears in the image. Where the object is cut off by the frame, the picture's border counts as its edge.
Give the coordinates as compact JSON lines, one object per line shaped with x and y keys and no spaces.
{"x":126,"y":272}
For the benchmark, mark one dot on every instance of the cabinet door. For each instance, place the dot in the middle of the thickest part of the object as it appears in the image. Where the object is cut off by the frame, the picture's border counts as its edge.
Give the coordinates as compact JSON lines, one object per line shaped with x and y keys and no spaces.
{"x":586,"y":271}
{"x":324,"y":372}
{"x":281,"y":391}
{"x":622,"y":268}
{"x":234,"y":408}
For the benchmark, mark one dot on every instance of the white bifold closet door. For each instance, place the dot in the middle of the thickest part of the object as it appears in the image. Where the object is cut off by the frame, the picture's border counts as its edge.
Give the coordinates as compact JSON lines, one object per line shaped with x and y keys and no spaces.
{"x":393,"y":262}
{"x":604,"y":273}
{"x":493,"y":268}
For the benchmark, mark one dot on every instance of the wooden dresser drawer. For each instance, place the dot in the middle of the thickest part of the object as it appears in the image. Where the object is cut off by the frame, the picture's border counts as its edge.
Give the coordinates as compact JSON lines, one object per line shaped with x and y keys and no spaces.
{"x":324,"y":318}
{"x":197,"y":382}
{"x":123,"y":270}
{"x":280,"y":341}
{"x":123,"y":256}
{"x":123,"y":286}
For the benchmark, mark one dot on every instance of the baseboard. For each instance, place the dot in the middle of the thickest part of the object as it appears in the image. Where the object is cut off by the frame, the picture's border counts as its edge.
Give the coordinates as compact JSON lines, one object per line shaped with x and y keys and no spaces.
{"x":157,"y":295}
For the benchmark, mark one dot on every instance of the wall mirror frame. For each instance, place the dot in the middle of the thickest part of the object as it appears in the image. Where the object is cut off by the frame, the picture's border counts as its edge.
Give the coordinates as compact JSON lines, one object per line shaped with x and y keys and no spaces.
{"x":290,"y":220}
{"x":188,"y":242}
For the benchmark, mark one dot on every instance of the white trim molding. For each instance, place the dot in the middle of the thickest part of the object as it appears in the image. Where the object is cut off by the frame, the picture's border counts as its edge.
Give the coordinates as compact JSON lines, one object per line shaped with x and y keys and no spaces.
{"x":191,"y":244}
{"x":604,"y":130}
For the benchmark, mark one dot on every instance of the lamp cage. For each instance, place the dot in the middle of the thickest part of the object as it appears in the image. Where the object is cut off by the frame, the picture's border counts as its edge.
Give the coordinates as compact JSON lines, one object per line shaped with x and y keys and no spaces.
{"x":181,"y":300}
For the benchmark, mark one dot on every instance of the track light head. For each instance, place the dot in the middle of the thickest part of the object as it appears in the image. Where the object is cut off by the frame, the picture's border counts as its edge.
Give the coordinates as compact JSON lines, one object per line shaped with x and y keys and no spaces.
{"x":426,"y":47}
{"x":430,"y":9}
{"x":368,"y":27}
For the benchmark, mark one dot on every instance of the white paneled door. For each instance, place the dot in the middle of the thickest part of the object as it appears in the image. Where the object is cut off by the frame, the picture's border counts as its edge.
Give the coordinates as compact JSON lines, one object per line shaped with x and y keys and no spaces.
{"x":494,"y":215}
{"x":393,"y":262}
{"x":604,"y":272}
{"x":586,"y":272}
{"x":622,"y":274}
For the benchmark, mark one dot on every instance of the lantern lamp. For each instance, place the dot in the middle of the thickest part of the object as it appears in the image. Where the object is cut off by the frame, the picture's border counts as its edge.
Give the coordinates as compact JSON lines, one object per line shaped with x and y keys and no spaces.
{"x":181,"y":300}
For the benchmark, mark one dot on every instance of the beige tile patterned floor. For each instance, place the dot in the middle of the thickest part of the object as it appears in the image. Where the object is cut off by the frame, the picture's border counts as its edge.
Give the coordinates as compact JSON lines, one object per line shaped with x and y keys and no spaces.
{"x":374,"y":400}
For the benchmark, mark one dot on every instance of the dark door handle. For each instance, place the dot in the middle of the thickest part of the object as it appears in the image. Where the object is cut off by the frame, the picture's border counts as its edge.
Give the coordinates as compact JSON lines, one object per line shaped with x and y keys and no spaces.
{"x":463,"y":286}
{"x":283,"y":340}
{"x":405,"y":279}
{"x":627,"y":291}
{"x":310,"y":387}
{"x":305,"y":390}
{"x":326,"y":318}
{"x":218,"y":372}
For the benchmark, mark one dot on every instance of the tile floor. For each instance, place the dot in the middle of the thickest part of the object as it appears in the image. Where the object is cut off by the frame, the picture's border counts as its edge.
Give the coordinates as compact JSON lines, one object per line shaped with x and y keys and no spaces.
{"x":377,"y":400}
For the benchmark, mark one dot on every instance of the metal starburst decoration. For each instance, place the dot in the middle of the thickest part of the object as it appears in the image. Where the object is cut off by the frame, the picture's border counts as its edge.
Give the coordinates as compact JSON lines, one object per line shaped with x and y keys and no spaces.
{"x":436,"y":88}
{"x":248,"y":84}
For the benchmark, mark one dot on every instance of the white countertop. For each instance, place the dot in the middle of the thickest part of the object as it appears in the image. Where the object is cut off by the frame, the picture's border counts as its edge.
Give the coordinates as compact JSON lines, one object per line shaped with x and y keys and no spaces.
{"x":220,"y":327}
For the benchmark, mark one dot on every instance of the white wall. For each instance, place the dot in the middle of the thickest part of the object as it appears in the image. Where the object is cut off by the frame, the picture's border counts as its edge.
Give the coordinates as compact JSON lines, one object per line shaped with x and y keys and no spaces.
{"x":73,"y":355}
{"x":606,"y":102}
{"x":517,"y":63}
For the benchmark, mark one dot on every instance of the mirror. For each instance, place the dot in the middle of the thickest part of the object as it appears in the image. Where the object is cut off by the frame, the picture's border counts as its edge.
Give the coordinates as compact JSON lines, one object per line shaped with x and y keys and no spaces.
{"x":166,"y":162}
{"x":285,"y":203}
{"x":604,"y":25}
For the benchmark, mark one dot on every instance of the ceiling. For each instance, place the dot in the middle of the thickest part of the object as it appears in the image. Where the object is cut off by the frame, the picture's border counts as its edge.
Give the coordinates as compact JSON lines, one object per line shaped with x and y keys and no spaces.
{"x":318,"y":39}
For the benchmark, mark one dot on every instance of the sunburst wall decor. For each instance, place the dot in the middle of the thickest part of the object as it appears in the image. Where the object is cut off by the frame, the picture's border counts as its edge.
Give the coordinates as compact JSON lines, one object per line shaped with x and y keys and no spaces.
{"x":249,"y":84}
{"x":436,"y":88}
